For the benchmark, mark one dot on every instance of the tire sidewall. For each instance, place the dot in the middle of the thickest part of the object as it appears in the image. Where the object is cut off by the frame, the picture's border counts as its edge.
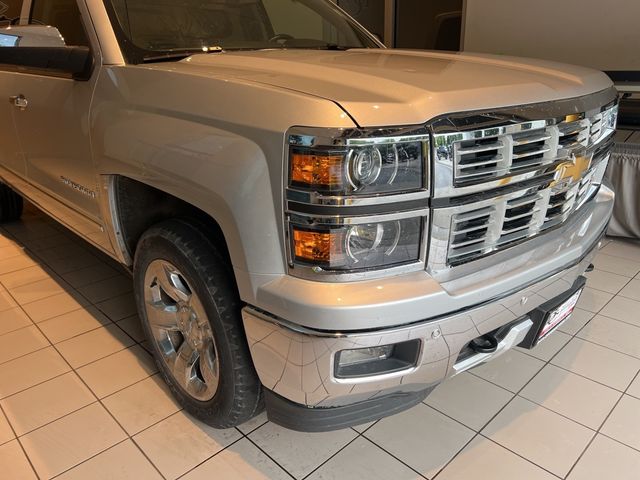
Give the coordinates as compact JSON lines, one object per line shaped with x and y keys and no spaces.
{"x":161,"y":248}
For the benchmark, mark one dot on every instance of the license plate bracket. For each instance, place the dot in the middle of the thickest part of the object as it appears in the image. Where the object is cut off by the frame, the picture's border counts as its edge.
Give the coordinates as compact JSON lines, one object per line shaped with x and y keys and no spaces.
{"x":550,"y":315}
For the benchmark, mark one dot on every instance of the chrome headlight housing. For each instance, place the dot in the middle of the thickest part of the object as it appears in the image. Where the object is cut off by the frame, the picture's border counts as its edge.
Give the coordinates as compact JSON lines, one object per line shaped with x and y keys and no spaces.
{"x":356,"y":201}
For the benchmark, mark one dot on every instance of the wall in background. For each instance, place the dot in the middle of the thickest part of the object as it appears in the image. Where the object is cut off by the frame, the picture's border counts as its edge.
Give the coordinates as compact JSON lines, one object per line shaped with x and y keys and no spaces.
{"x":604,"y":35}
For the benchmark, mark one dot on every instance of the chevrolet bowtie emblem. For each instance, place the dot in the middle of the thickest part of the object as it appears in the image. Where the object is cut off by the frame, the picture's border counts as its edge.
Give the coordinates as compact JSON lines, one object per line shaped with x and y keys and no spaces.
{"x":571,"y":171}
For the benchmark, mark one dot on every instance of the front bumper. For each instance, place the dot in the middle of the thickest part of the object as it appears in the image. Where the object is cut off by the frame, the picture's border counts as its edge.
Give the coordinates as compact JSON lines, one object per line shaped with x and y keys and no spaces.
{"x":296,"y":363}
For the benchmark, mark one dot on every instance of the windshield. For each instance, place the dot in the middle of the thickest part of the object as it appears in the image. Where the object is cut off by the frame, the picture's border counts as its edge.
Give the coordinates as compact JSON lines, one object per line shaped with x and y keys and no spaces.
{"x":156,"y":27}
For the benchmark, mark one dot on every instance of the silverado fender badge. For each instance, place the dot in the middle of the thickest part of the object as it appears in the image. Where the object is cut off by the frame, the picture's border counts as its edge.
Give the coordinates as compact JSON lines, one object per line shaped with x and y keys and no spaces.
{"x":76,"y":186}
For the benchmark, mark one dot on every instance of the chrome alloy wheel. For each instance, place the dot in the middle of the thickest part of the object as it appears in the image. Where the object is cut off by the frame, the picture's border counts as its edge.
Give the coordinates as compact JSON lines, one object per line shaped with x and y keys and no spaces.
{"x":181,"y":330}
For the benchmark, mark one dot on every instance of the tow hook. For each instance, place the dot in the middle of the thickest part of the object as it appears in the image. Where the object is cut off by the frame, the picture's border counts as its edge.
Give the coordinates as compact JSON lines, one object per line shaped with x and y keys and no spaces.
{"x":590,"y":268}
{"x":484,"y":344}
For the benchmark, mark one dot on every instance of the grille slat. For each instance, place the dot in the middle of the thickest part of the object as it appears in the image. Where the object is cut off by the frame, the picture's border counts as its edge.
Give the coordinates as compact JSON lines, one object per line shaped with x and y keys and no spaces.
{"x":489,"y":159}
{"x":480,"y":148}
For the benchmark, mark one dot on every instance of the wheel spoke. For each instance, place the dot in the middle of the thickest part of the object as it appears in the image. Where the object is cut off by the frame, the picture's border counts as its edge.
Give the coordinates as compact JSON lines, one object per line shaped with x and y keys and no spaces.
{"x":174,"y":286}
{"x":185,"y":360}
{"x":209,"y":366}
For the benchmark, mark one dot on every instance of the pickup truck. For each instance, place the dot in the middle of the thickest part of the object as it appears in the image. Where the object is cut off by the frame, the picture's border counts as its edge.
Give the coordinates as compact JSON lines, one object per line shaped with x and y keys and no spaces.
{"x":315,"y":224}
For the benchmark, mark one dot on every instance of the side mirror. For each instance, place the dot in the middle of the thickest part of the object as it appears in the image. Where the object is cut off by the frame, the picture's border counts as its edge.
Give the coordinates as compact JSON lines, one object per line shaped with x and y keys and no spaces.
{"x":42,"y":48}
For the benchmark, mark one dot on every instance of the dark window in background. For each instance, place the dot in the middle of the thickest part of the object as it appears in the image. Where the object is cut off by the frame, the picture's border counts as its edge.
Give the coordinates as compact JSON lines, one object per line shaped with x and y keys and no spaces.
{"x":62,"y":14}
{"x":9,"y":10}
{"x":428,"y":24}
{"x":369,"y":13}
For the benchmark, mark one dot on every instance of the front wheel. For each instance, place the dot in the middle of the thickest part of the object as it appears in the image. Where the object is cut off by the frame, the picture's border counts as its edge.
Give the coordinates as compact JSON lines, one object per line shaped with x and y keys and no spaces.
{"x":190,"y":311}
{"x":11,"y":204}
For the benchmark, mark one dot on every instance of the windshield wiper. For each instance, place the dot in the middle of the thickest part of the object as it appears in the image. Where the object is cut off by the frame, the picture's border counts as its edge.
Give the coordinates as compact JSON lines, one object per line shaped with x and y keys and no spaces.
{"x":180,"y":54}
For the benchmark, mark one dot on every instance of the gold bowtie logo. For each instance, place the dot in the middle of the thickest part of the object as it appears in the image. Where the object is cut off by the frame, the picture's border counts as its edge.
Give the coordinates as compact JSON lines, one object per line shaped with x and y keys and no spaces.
{"x":571,"y":171}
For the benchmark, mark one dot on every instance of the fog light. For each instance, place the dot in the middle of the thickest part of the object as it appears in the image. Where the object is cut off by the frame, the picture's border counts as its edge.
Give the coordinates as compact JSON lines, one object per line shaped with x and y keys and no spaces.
{"x":379,"y":360}
{"x":364,"y":355}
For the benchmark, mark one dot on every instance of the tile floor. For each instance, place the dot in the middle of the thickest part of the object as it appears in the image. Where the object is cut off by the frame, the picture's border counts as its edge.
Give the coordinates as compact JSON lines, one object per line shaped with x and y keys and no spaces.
{"x":80,"y":397}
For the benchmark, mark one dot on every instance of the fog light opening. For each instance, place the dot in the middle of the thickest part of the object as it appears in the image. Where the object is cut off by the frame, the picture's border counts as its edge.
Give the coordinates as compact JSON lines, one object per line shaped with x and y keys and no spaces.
{"x":379,"y":360}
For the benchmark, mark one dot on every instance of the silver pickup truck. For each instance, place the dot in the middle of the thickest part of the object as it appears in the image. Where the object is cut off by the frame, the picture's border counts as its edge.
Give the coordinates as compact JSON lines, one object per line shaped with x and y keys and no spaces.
{"x":315,"y":224}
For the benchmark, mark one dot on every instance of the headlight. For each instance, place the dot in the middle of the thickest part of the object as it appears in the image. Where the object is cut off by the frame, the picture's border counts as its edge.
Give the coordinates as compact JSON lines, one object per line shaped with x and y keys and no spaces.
{"x":356,"y":201}
{"x":360,"y":167}
{"x":357,"y":246}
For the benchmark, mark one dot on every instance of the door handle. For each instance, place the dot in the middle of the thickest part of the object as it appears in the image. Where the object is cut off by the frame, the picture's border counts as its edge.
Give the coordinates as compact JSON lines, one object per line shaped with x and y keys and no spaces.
{"x":19,"y":101}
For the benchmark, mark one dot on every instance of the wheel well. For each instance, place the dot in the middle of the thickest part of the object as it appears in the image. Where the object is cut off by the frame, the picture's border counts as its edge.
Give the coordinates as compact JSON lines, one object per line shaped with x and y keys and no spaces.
{"x":141,"y":206}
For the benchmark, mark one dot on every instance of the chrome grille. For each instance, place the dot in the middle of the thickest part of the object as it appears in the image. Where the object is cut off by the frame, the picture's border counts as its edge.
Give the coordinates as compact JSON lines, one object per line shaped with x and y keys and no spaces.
{"x":556,"y":165}
{"x":511,"y":219}
{"x":474,"y":161}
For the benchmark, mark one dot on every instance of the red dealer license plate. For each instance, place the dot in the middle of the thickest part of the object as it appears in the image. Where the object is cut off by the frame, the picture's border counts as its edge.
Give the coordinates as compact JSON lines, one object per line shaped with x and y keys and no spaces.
{"x":555,"y":318}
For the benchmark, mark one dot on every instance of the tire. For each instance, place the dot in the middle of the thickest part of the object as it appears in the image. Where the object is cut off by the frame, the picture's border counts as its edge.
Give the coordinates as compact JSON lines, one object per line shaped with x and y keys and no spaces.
{"x":179,"y":273}
{"x":11,"y":204}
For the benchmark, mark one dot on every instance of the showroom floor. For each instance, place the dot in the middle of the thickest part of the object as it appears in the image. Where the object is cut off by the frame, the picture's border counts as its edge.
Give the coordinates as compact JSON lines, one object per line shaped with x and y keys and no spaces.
{"x":82,"y":396}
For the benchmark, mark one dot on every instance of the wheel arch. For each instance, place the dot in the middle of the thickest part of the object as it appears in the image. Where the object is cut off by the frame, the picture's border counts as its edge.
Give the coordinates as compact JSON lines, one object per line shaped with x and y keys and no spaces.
{"x":135,"y":206}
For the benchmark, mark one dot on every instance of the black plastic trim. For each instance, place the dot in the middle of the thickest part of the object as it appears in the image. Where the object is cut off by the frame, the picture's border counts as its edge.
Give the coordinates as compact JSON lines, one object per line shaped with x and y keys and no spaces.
{"x":539,"y":315}
{"x":303,"y":418}
{"x":74,"y":62}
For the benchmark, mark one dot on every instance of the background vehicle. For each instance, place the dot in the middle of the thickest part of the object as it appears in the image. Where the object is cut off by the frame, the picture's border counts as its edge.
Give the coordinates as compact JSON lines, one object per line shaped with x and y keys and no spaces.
{"x":307,"y":215}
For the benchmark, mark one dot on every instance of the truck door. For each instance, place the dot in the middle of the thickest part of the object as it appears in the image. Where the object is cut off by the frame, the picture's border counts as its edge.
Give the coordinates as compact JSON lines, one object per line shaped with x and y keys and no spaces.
{"x":11,"y":157}
{"x":53,"y":121}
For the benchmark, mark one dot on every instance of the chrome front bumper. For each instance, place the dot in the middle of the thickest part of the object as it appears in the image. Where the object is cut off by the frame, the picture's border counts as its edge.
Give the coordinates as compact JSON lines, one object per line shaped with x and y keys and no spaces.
{"x":297,"y":363}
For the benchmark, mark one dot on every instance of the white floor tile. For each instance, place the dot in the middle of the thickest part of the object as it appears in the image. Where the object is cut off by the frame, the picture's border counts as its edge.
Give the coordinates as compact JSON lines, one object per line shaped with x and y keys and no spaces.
{"x":624,"y":422}
{"x":632,"y":290}
{"x":568,"y":394}
{"x":634,"y":388}
{"x":623,"y":309}
{"x":626,"y":249}
{"x":122,"y":462}
{"x":72,"y":324}
{"x":539,"y":435}
{"x":421,"y":437}
{"x":578,"y":319}
{"x":6,"y":433}
{"x":12,"y":320}
{"x":141,"y":405}
{"x":593,"y":300}
{"x":46,"y":402}
{"x":363,"y":459}
{"x":551,"y":345}
{"x":242,"y":460}
{"x":65,"y":443}
{"x":618,"y":265}
{"x":614,"y":334}
{"x":300,"y":453}
{"x":512,"y":370}
{"x":179,"y":443}
{"x":469,"y":399}
{"x":21,"y":342}
{"x":484,"y":459}
{"x":598,"y":363}
{"x":606,"y":281}
{"x":606,"y":458}
{"x":15,"y":465}
{"x":94,"y":345}
{"x":118,"y":371}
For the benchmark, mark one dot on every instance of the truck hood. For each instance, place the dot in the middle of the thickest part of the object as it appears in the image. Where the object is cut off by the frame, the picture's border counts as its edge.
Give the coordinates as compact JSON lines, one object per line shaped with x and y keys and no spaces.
{"x":402,"y":87}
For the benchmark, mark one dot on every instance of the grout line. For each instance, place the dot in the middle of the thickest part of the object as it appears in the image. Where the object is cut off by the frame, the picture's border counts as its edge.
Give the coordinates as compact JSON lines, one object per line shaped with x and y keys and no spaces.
{"x":242,"y":437}
{"x":2,"y":412}
{"x":270,"y":457}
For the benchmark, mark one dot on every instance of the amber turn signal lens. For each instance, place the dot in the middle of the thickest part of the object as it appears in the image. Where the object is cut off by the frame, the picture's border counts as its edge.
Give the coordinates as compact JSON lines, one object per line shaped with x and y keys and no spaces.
{"x":315,"y":170}
{"x":316,"y":247}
